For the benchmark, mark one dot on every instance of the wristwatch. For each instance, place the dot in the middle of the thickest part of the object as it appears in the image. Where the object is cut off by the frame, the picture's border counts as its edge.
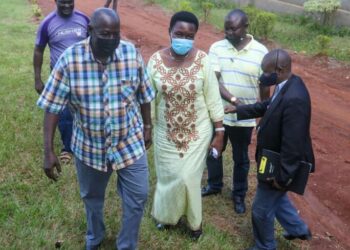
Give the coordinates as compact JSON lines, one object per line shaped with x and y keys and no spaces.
{"x":233,"y":99}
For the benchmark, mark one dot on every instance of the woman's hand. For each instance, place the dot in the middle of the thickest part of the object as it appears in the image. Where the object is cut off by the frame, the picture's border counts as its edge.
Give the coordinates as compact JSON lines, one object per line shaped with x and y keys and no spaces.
{"x":218,"y":142}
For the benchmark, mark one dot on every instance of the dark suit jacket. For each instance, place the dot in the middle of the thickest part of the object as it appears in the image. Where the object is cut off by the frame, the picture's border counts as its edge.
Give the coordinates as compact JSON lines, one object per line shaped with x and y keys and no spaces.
{"x":284,"y":127}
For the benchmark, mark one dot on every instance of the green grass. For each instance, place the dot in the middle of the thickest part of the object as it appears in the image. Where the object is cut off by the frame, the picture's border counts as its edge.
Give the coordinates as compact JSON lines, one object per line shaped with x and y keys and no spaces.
{"x":291,"y":32}
{"x":35,"y":212}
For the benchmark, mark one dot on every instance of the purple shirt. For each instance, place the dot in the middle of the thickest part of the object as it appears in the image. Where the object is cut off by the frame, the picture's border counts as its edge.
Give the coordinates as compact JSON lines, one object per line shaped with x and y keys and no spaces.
{"x":60,"y":33}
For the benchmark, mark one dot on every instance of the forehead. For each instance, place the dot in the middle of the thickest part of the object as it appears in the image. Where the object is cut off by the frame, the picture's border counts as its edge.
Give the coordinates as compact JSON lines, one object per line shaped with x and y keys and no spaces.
{"x":268,"y":65}
{"x":107,"y":23}
{"x":184,"y":26}
{"x":235,"y":21}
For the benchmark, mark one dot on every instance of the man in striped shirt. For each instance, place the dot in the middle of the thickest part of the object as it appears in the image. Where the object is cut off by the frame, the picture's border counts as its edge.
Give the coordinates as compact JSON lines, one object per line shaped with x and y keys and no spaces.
{"x":236,"y":61}
{"x":104,"y":82}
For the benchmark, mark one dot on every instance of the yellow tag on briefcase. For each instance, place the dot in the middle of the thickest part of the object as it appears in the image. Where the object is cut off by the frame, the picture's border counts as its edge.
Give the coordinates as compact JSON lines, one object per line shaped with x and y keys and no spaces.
{"x":262,"y":165}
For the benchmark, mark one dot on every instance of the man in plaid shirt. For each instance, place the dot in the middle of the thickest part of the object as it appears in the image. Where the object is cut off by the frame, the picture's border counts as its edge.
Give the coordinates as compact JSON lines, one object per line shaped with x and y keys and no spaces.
{"x":104,"y":82}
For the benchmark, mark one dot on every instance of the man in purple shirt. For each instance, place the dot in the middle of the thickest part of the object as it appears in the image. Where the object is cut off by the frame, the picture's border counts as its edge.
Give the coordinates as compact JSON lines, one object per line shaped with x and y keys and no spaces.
{"x":60,"y":29}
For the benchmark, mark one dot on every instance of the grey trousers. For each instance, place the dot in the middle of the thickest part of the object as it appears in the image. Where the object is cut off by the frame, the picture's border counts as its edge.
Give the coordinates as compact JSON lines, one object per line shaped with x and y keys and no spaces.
{"x":132,"y":186}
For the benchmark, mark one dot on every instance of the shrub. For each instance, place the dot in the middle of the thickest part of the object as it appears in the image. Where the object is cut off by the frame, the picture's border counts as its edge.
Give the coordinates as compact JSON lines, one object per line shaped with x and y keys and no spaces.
{"x":185,"y":5}
{"x":37,"y":11}
{"x":224,"y":4}
{"x":324,"y":9}
{"x":261,"y":23}
{"x":206,"y":7}
{"x":323,"y":44}
{"x":150,"y":1}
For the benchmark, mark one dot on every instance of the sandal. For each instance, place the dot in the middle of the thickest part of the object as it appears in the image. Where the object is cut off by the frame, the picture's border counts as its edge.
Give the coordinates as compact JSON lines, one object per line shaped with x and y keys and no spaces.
{"x":65,"y":157}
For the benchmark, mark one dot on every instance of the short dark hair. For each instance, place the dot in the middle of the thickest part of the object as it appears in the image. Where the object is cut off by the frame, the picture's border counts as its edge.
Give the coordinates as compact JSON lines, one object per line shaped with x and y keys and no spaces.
{"x":183,"y":16}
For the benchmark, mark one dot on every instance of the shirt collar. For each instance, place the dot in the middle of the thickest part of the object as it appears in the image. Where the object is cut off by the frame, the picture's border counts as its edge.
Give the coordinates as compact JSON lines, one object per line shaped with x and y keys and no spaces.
{"x":281,"y":85}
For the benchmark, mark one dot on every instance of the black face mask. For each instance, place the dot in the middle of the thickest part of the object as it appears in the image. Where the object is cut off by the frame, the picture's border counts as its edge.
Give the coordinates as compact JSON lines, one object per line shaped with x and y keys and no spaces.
{"x":105,"y":47}
{"x":233,"y":39}
{"x":269,"y":80}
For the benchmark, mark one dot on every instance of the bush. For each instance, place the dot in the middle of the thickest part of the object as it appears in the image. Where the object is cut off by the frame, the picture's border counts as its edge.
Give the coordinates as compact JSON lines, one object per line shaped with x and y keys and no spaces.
{"x":323,"y":44}
{"x":185,"y":5}
{"x":261,"y":23}
{"x":322,"y":9}
{"x":224,"y":4}
{"x":150,"y":1}
{"x":206,"y":8}
{"x":37,"y":11}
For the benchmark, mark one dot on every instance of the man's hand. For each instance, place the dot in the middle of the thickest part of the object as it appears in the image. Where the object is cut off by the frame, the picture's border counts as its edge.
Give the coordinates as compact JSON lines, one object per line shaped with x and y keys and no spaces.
{"x":218,"y":142}
{"x":50,"y":163}
{"x":147,"y":135}
{"x":39,"y":86}
{"x":275,"y":184}
{"x":230,"y":109}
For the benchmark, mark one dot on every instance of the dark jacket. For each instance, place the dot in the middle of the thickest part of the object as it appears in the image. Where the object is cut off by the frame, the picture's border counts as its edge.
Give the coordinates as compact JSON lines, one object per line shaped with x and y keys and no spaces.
{"x":284,"y":127}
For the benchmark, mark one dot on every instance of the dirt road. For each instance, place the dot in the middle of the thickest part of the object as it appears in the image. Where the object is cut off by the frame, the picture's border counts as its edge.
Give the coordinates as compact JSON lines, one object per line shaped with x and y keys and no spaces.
{"x":326,"y":204}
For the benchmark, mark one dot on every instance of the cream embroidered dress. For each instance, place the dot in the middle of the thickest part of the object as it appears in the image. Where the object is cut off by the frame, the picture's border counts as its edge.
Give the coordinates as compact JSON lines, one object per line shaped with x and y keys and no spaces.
{"x":187,"y":103}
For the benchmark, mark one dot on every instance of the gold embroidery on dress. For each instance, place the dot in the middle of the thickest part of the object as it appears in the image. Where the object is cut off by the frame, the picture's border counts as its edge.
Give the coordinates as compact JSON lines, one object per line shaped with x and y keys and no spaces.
{"x":179,"y":93}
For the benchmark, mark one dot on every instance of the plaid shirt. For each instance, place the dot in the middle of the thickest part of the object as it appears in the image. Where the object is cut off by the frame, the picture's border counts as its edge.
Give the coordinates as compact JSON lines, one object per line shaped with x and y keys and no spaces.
{"x":104,"y":100}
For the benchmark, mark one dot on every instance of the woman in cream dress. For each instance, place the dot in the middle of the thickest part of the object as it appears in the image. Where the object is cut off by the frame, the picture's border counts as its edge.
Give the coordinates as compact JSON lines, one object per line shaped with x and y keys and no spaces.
{"x":188,"y":105}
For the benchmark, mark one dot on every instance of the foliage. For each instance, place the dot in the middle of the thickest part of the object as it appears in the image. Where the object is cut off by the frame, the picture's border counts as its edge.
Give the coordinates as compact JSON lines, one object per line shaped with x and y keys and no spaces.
{"x":325,"y":9}
{"x":185,"y":5}
{"x":261,"y":23}
{"x":37,"y":11}
{"x":226,"y":4}
{"x":323,"y":43}
{"x":313,"y":26}
{"x":206,"y":7}
{"x":150,"y":1}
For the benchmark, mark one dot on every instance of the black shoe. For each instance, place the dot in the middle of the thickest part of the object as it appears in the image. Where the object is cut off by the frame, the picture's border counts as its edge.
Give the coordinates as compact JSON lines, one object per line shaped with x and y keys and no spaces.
{"x":196,"y":234}
{"x":206,"y":191}
{"x":239,"y":205}
{"x":162,"y":227}
{"x":307,"y":236}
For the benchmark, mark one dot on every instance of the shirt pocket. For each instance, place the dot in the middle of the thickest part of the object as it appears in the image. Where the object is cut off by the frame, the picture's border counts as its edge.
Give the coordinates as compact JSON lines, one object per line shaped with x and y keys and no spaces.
{"x":127,"y":90}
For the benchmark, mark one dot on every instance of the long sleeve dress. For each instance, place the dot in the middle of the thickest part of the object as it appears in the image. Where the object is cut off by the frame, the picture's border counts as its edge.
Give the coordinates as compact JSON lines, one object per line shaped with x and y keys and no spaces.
{"x":187,"y":103}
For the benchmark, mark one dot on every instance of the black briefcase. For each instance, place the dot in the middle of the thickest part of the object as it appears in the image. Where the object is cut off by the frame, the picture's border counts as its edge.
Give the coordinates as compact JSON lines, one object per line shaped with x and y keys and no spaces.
{"x":270,"y":165}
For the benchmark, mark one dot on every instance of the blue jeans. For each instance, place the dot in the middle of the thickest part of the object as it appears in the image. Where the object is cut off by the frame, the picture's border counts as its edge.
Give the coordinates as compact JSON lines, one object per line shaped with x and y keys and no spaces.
{"x":132,"y":186}
{"x":270,"y":203}
{"x":65,"y":126}
{"x":240,"y":138}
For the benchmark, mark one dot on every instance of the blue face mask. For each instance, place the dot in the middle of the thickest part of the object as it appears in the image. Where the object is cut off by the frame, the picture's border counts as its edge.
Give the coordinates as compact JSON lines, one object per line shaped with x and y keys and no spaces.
{"x":181,"y":46}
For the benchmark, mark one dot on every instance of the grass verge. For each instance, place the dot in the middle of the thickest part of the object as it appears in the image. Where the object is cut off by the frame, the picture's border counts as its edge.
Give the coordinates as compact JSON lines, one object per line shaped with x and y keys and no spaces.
{"x":35,"y":213}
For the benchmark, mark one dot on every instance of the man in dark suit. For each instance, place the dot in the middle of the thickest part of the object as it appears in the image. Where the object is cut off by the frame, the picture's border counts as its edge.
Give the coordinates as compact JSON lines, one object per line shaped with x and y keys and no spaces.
{"x":285,"y":129}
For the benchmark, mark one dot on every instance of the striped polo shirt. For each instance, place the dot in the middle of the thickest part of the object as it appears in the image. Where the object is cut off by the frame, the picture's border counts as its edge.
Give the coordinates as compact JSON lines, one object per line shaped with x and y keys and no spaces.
{"x":240,"y":71}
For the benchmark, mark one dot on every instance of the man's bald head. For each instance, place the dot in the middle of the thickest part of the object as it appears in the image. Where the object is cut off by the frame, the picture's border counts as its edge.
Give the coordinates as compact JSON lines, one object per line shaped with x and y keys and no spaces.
{"x":277,"y":58}
{"x":237,"y":15}
{"x":236,"y":25}
{"x":104,"y":29}
{"x":104,"y":16}
{"x":277,"y":66}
